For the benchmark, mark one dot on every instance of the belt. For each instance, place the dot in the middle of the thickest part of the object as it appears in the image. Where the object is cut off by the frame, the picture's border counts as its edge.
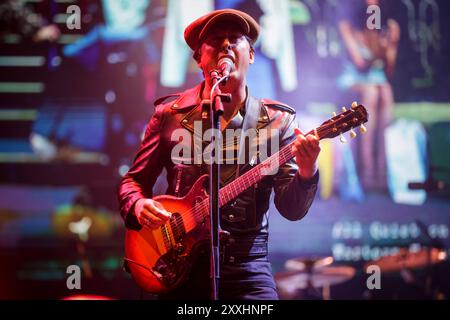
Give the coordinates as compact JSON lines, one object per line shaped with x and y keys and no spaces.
{"x":244,"y":248}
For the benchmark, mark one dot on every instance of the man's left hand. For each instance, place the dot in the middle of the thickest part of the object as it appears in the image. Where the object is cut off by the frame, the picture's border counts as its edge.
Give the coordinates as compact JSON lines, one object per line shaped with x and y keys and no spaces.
{"x":306,"y":149}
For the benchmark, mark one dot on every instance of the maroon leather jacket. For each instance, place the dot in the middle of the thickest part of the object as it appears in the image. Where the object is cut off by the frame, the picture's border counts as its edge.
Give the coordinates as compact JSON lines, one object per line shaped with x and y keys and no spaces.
{"x":247,"y":218}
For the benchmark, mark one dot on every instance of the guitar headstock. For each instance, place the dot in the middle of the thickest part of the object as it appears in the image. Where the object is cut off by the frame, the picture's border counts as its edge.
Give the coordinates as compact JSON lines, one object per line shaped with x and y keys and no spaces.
{"x":356,"y":116}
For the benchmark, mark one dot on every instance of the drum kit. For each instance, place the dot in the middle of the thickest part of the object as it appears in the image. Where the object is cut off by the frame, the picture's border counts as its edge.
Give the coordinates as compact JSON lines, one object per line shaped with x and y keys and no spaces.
{"x":312,"y":277}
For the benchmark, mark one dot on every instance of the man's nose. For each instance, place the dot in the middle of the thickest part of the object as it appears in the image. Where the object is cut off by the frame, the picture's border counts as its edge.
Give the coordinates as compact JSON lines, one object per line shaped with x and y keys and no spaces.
{"x":226,"y":45}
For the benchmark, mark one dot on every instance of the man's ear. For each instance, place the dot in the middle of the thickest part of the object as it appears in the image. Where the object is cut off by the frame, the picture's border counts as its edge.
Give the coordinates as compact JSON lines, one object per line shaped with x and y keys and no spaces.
{"x":252,"y":55}
{"x":197,"y":57}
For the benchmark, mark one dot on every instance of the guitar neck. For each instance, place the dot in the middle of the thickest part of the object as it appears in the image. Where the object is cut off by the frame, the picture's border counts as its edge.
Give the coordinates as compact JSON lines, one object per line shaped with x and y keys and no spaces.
{"x":256,"y":174}
{"x":331,"y":128}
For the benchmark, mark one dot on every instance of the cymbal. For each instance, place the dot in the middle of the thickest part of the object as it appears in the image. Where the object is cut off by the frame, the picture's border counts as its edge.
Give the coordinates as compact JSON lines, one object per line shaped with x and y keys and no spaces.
{"x":292,"y":281}
{"x":405,"y":259}
{"x":308,"y":263}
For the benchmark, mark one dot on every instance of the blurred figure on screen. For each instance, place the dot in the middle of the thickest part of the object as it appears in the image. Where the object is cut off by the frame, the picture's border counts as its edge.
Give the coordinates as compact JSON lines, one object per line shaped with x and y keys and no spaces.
{"x":16,"y":18}
{"x":371,"y":57}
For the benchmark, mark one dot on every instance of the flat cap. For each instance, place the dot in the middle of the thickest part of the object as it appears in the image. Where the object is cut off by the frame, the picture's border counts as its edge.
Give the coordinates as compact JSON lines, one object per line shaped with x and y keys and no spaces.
{"x":194,"y":32}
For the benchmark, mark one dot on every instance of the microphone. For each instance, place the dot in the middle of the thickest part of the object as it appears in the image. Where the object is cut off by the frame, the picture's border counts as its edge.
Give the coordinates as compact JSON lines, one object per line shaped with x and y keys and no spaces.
{"x":225,"y":65}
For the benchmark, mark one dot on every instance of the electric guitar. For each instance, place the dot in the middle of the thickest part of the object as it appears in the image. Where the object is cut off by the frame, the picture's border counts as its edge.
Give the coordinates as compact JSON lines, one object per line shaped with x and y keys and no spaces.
{"x":159,"y":260}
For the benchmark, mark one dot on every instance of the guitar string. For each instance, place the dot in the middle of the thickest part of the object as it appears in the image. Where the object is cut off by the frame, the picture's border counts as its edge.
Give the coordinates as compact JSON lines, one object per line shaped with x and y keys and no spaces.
{"x":197,"y":210}
{"x":284,"y":155}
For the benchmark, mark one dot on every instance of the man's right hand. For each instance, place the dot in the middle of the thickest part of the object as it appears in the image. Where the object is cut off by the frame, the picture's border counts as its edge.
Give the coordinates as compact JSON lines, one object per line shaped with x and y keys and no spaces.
{"x":151,"y":213}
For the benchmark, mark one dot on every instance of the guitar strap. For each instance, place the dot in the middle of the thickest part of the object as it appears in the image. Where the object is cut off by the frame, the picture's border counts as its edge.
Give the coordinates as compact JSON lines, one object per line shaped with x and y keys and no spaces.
{"x":251,"y":117}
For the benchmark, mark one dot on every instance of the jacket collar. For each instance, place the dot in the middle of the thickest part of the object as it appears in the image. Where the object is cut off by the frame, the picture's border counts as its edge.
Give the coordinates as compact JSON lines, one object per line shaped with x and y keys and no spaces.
{"x":191,"y":98}
{"x":263,"y":119}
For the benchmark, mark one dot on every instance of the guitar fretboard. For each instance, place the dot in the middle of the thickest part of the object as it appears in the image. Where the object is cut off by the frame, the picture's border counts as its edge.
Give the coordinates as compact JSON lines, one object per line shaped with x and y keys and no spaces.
{"x":331,"y":128}
{"x":256,"y":174}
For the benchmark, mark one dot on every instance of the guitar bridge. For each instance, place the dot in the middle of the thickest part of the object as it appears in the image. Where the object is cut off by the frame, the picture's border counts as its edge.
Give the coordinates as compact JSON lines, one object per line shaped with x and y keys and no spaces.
{"x":171,"y":267}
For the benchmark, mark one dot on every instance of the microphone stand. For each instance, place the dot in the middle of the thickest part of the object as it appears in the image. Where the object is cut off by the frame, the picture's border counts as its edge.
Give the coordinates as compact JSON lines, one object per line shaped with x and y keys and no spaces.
{"x":216,"y":111}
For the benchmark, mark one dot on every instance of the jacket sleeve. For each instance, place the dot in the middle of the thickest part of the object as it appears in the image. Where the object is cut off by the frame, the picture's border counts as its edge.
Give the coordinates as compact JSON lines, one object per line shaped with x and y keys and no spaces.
{"x":146,"y":168}
{"x":293,"y":195}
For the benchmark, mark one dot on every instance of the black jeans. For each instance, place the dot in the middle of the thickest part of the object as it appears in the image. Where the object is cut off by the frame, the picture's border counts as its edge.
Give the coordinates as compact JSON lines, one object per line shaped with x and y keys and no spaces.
{"x":249,"y":279}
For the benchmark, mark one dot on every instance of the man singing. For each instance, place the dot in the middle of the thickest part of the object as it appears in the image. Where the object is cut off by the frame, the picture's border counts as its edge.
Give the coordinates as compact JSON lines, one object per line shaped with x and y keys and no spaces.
{"x":245,"y":270}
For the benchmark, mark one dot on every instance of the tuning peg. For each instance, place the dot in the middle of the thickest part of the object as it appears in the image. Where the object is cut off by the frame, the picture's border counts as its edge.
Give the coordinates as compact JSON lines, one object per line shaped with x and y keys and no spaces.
{"x":334,"y":114}
{"x":344,"y":109}
{"x":354,"y":104}
{"x":362,"y":129}
{"x":352,"y":134}
{"x":342,"y":138}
